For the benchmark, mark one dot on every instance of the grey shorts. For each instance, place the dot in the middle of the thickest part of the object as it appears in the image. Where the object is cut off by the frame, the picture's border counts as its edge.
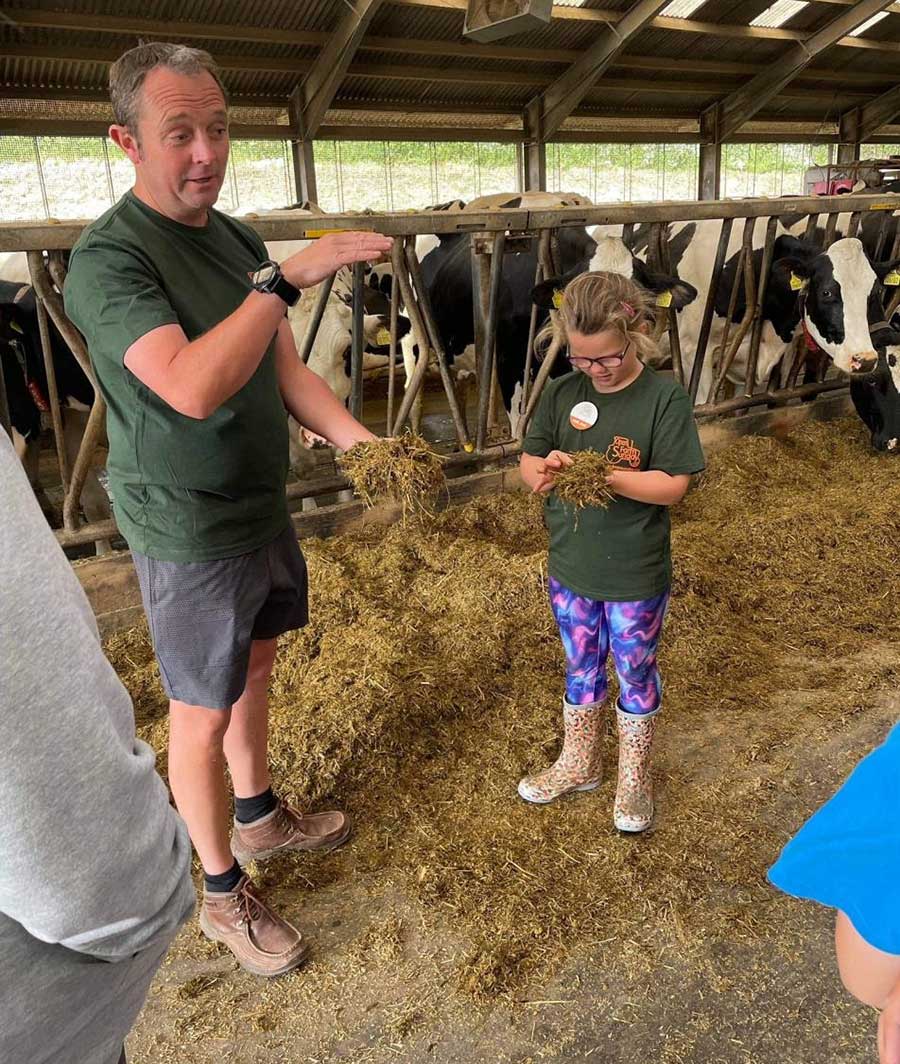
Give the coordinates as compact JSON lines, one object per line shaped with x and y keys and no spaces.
{"x":204,"y":616}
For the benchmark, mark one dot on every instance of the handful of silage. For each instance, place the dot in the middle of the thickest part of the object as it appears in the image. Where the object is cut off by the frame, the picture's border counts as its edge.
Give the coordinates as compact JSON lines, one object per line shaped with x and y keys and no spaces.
{"x":401,"y":469}
{"x":583,"y":483}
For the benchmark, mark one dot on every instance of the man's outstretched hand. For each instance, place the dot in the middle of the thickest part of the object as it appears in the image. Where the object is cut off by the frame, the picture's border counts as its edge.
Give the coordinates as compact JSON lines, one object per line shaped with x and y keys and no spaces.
{"x":326,"y":255}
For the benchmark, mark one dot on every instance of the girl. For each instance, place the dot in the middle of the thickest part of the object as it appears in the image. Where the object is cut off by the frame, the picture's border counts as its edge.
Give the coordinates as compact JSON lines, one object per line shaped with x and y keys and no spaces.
{"x":610,"y":571}
{"x":847,"y":856}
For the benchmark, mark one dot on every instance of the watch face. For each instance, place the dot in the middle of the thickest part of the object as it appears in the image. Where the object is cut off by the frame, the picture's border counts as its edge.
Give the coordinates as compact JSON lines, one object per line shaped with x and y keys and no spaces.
{"x":264,"y":274}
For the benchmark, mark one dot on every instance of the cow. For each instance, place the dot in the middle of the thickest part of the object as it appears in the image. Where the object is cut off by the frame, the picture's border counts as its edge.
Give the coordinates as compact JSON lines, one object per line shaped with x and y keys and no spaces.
{"x":25,"y":379}
{"x":840,"y":295}
{"x":612,"y":255}
{"x":837,"y":293}
{"x":330,"y":353}
{"x":876,"y":398}
{"x":690,"y":249}
{"x":446,"y":268}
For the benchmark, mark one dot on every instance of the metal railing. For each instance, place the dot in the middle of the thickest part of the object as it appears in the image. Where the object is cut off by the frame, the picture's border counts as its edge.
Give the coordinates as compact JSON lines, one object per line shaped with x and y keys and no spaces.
{"x":493,"y":234}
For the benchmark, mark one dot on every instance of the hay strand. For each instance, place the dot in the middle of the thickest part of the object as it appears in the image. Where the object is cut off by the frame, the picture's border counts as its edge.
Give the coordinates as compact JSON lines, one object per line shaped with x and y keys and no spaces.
{"x":429,"y":681}
{"x":583,"y":483}
{"x":401,"y":469}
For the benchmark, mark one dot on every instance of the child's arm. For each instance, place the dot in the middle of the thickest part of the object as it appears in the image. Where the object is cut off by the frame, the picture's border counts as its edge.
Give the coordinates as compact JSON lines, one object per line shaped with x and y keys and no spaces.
{"x":538,"y":472}
{"x":651,"y":485}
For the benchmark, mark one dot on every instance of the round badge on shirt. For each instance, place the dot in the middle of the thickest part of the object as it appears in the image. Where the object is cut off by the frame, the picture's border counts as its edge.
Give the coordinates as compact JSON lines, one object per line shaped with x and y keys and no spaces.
{"x":583,"y":416}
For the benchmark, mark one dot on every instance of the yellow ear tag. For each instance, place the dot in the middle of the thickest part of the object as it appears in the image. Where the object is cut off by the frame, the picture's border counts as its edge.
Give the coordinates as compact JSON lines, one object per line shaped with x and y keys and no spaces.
{"x":383,"y":337}
{"x":16,"y":327}
{"x":557,"y":298}
{"x":797,"y":283}
{"x":892,"y":279}
{"x":664,"y":299}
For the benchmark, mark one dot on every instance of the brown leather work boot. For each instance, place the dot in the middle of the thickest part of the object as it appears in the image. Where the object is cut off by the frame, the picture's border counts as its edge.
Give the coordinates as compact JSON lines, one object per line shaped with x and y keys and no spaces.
{"x":286,"y":828}
{"x":260,"y":939}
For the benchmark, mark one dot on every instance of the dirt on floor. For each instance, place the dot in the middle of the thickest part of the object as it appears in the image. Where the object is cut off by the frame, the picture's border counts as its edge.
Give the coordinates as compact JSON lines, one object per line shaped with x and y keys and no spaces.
{"x":460,"y":924}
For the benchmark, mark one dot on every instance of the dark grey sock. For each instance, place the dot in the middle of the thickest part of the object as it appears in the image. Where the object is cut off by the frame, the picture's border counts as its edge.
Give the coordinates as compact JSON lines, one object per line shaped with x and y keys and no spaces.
{"x":246,"y":810}
{"x":224,"y":881}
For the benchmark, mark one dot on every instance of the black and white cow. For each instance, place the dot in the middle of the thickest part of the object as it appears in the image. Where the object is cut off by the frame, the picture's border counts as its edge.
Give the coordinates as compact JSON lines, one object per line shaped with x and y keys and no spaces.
{"x":837,"y":292}
{"x":613,"y":256}
{"x":446,"y":268}
{"x":25,"y":379}
{"x":330,"y":353}
{"x":447,"y":275}
{"x":877,"y":396}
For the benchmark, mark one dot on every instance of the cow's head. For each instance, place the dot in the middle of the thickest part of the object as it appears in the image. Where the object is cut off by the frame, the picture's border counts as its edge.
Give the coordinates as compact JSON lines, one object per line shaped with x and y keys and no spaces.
{"x":877,"y":399}
{"x":840,"y":293}
{"x":612,"y":256}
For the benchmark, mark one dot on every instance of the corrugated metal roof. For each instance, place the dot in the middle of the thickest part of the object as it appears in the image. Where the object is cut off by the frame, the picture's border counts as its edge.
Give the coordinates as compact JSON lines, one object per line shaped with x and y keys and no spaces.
{"x":44,"y":61}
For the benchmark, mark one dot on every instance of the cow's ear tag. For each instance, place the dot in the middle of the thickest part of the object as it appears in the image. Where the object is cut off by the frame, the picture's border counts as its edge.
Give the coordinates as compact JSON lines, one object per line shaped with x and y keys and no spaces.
{"x":664,"y":299}
{"x":797,"y":283}
{"x":892,"y":279}
{"x":557,"y":298}
{"x":383,"y":337}
{"x":16,"y":327}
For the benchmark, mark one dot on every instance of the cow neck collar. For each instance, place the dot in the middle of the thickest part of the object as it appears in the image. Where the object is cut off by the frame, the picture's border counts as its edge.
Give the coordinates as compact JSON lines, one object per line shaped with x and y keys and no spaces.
{"x":812,"y":345}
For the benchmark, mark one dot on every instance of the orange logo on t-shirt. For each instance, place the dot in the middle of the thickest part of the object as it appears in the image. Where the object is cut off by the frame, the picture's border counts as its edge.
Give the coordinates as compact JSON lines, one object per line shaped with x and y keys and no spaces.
{"x":622,"y":451}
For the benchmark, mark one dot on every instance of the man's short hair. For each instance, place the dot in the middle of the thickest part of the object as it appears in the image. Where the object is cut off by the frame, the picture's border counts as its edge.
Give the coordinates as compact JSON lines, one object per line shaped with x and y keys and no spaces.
{"x":127,"y":74}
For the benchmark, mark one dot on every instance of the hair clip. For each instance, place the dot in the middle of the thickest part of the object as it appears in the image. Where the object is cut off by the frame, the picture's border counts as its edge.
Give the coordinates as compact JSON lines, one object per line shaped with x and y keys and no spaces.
{"x":629,"y":310}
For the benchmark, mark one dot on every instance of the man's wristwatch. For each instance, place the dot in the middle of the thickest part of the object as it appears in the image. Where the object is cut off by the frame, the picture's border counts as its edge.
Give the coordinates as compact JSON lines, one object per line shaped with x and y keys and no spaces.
{"x":267,"y":277}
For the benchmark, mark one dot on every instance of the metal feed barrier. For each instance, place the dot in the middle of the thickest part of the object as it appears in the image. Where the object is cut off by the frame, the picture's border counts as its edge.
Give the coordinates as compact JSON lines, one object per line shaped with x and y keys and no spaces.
{"x":494,"y":234}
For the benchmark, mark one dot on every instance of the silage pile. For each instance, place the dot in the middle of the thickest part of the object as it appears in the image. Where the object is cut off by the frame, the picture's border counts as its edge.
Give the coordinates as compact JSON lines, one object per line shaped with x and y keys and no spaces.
{"x":431,"y":677}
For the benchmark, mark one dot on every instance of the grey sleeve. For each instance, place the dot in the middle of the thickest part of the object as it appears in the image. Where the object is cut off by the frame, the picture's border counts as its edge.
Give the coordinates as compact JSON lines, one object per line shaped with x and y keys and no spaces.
{"x":92,"y":856}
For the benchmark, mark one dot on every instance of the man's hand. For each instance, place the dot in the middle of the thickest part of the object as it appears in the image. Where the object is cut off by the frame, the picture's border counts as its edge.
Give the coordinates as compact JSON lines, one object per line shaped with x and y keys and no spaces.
{"x":889,"y":1029}
{"x":326,"y":255}
{"x":553,"y":463}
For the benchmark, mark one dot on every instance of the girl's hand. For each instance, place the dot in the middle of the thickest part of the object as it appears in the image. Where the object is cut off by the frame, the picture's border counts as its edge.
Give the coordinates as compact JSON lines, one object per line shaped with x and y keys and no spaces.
{"x":554,"y":461}
{"x":889,"y":1030}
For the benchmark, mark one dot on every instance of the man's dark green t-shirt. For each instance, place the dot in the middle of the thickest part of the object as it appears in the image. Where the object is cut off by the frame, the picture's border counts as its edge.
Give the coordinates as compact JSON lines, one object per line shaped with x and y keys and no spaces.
{"x":184,"y":489}
{"x":621,"y":554}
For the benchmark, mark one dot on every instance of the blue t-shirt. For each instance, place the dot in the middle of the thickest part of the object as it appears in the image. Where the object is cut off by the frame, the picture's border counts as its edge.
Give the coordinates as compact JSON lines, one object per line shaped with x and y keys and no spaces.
{"x":847,"y":855}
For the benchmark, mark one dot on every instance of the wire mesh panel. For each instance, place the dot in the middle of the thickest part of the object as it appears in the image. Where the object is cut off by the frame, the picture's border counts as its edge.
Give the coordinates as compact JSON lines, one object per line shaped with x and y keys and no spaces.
{"x":878,"y":151}
{"x":769,"y":169}
{"x":330,"y":194}
{"x":361,"y":176}
{"x":81,"y":177}
{"x":680,"y":171}
{"x":571,"y":168}
{"x":120,"y":169}
{"x":613,"y":173}
{"x":457,"y":166}
{"x":22,"y":196}
{"x":260,"y":174}
{"x":399,"y":175}
{"x":411,"y":175}
{"x":76,"y":177}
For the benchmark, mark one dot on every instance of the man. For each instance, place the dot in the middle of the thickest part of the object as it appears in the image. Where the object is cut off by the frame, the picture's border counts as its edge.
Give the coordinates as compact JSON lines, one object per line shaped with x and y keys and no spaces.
{"x":185,"y":322}
{"x":94,"y":862}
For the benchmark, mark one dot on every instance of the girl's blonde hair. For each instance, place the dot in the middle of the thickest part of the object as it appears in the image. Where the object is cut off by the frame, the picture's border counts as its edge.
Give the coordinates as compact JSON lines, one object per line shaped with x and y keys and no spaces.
{"x":594,"y":302}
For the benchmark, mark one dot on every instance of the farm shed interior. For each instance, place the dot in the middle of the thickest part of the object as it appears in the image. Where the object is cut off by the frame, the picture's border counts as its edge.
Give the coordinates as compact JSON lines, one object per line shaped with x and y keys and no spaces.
{"x":456,"y":922}
{"x":379,"y":87}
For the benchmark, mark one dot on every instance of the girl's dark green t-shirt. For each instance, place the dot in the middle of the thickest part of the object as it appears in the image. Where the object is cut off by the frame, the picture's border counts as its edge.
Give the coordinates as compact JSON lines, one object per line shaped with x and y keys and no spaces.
{"x":623,"y":553}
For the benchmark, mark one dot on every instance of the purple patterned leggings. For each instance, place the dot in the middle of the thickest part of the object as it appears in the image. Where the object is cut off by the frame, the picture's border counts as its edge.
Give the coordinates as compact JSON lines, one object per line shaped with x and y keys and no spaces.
{"x":590,"y":629}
